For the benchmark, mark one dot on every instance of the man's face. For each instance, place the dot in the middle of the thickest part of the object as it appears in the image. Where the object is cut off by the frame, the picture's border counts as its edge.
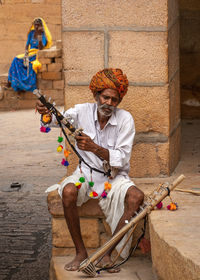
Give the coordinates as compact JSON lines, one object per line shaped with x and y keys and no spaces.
{"x":107,"y":101}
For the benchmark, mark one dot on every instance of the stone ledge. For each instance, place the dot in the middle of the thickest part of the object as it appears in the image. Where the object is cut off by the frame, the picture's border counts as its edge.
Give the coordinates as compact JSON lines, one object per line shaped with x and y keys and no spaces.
{"x":175,"y":246}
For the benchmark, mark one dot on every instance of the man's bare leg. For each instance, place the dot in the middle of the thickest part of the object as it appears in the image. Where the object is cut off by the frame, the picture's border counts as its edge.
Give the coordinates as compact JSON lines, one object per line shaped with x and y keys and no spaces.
{"x":134,"y":198}
{"x":69,"y":198}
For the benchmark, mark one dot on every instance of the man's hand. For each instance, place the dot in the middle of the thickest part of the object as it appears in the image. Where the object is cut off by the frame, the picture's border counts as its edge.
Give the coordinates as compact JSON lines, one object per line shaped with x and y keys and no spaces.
{"x":85,"y":143}
{"x":41,"y":108}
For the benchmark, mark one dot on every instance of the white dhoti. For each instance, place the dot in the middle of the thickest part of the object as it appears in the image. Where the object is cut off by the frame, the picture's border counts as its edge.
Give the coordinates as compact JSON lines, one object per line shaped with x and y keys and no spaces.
{"x":112,"y":206}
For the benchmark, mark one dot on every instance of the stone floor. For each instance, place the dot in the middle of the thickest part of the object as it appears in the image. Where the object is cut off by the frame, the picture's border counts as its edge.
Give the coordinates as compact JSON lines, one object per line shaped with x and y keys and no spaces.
{"x":30,"y":158}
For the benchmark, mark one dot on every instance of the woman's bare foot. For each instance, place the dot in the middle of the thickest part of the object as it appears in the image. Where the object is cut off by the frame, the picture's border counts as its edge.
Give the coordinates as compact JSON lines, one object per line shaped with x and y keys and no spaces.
{"x":75,"y":263}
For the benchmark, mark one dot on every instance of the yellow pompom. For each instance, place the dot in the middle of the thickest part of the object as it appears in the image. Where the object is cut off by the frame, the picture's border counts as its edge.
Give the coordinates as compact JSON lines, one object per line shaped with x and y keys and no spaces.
{"x":59,"y":149}
{"x":36,"y":65}
{"x":91,"y":194}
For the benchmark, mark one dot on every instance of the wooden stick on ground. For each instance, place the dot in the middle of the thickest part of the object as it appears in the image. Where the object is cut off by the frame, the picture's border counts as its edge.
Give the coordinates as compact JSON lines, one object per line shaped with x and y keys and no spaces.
{"x":188,"y":191}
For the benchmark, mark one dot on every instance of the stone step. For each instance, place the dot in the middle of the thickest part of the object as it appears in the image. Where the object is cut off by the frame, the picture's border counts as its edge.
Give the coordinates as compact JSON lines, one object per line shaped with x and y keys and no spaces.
{"x":135,"y":268}
{"x":175,"y":235}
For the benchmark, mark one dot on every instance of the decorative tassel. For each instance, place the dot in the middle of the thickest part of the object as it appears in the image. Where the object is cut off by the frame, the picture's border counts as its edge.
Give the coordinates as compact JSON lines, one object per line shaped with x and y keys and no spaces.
{"x":60,"y":148}
{"x":91,"y":184}
{"x":66,"y":153}
{"x":64,"y":162}
{"x":78,"y":185}
{"x":107,"y":186}
{"x":93,"y":194}
{"x":60,"y":139}
{"x":45,"y":129}
{"x":82,"y":179}
{"x":159,"y":205}
{"x":46,"y":118}
{"x":104,"y":194}
{"x":172,"y":206}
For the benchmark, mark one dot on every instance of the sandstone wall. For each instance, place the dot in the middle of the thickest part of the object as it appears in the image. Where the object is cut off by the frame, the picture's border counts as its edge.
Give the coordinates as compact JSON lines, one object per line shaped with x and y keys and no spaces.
{"x":16,"y":17}
{"x":190,"y":58}
{"x":142,"y":39}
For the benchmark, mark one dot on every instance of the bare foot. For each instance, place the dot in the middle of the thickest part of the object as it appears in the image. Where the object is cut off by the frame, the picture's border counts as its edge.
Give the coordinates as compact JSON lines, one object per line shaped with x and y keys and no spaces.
{"x":107,"y":262}
{"x":75,"y":263}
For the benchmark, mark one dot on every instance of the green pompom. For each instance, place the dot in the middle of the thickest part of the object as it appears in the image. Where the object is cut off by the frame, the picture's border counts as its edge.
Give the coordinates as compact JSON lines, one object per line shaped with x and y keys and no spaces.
{"x":82,"y":179}
{"x":60,"y":139}
{"x":91,"y":184}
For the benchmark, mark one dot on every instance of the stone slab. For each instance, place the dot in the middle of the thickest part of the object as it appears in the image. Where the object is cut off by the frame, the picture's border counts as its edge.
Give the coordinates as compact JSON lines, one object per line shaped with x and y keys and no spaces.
{"x":134,"y":269}
{"x":175,"y":235}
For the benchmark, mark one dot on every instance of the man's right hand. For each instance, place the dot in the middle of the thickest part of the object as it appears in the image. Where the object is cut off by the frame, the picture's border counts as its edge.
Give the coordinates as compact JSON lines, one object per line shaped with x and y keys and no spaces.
{"x":41,"y":108}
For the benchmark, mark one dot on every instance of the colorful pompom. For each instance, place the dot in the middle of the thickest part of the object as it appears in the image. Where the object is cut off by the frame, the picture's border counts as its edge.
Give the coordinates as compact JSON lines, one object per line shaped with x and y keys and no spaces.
{"x":172,"y":206}
{"x":60,"y":139}
{"x":64,"y":162}
{"x":66,"y":153}
{"x":107,"y":186}
{"x":45,"y":129}
{"x":159,"y":205}
{"x":93,"y":194}
{"x":91,"y":184}
{"x":46,"y":118}
{"x":104,"y":194}
{"x":78,"y":185}
{"x":82,"y":179}
{"x":60,"y":148}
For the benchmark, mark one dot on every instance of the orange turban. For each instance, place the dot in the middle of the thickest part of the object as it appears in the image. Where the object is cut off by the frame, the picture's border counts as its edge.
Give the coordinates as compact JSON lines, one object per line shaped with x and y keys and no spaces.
{"x":109,"y":78}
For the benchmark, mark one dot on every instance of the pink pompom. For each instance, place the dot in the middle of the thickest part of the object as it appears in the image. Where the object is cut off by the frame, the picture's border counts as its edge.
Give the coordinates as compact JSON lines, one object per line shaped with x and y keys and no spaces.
{"x":159,"y":205}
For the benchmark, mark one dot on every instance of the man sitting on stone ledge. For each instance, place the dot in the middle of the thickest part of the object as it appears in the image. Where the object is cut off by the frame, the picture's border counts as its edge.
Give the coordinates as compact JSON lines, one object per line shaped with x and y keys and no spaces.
{"x":106,"y":142}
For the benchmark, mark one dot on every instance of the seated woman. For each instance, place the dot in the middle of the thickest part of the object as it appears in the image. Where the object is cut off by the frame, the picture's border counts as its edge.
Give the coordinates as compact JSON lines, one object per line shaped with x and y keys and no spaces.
{"x":22,"y":73}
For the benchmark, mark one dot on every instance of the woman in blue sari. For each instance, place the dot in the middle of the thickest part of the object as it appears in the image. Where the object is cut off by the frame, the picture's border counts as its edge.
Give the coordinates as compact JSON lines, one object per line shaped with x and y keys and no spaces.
{"x":22,"y":73}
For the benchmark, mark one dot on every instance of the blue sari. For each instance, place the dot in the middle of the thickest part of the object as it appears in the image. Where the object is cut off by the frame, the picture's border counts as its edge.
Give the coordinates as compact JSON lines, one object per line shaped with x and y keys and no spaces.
{"x":22,"y":77}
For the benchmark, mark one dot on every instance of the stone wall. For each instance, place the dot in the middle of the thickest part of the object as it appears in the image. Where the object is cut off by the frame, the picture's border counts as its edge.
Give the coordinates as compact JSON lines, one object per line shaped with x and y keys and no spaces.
{"x":16,"y":17}
{"x":49,"y":79}
{"x":190,"y":58}
{"x":142,"y":39}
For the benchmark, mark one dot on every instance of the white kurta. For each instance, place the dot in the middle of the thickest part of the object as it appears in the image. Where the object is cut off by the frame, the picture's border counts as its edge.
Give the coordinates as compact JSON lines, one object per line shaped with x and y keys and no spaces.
{"x":117,"y":136}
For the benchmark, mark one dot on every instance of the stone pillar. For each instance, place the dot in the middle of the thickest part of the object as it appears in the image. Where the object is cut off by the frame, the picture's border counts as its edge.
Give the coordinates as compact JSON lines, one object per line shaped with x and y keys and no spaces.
{"x":141,"y":37}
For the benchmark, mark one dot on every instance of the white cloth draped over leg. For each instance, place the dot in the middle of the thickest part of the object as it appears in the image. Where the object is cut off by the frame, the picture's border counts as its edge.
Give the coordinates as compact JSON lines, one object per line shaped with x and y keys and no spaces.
{"x":112,"y":206}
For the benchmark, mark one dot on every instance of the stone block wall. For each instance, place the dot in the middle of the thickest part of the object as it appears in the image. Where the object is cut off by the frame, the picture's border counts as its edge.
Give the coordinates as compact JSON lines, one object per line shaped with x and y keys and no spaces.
{"x":16,"y":17}
{"x":142,"y":39}
{"x":190,"y":58}
{"x":49,"y":79}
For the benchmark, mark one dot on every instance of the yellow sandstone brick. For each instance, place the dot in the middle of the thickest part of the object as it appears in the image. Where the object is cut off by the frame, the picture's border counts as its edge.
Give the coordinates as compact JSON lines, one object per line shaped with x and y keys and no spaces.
{"x":110,"y":13}
{"x":51,"y":75}
{"x":58,"y":84}
{"x":83,"y":55}
{"x":150,"y":160}
{"x":49,"y":53}
{"x":142,"y":55}
{"x":45,"y":84}
{"x":151,"y":109}
{"x":54,"y":67}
